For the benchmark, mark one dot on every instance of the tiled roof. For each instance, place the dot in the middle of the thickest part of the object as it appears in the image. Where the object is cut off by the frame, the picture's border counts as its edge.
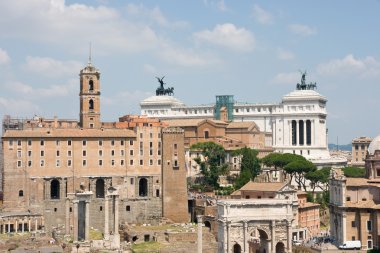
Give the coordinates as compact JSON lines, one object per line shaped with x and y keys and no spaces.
{"x":193,"y":122}
{"x":69,"y":133}
{"x":241,"y":124}
{"x":262,"y":187}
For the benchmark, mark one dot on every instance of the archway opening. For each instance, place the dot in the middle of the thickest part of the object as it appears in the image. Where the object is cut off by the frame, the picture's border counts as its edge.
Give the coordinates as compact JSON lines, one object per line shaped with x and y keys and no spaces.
{"x":208,"y":225}
{"x":91,"y":104}
{"x":91,"y":85}
{"x":280,"y":247}
{"x":54,"y":189}
{"x":100,"y":188}
{"x":237,"y":248}
{"x":143,"y":187}
{"x":259,"y":242}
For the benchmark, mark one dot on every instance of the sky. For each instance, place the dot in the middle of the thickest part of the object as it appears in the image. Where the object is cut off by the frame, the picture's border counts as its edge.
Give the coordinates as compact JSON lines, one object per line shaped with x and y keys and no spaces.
{"x":254,"y":50}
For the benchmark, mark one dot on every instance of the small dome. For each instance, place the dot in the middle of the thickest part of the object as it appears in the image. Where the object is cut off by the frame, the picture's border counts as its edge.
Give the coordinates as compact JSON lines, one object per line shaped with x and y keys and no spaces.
{"x":303,"y":95}
{"x":375,"y":145}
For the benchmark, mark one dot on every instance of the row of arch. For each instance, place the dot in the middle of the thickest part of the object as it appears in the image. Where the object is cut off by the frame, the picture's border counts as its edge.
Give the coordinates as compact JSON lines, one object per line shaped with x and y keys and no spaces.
{"x":55,"y":188}
{"x":280,"y":248}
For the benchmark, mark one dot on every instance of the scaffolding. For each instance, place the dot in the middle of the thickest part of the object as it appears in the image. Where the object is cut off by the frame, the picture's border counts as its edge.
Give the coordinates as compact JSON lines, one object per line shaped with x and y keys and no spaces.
{"x":12,"y":123}
{"x":226,"y":101}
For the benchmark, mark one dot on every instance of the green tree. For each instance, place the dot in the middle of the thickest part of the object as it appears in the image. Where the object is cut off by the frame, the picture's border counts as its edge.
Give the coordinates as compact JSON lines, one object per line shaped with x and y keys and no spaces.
{"x":249,"y":166}
{"x":298,"y":169}
{"x":279,"y":161}
{"x":213,"y":163}
{"x":319,"y":178}
{"x":354,"y":172}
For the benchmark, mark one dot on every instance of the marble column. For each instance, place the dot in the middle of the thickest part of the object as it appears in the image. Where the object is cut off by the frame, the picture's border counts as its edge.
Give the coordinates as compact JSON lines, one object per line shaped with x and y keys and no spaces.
{"x":199,"y":220}
{"x":35,"y":225}
{"x":304,"y":133}
{"x":273,"y":235}
{"x":297,"y":134}
{"x":87,"y":221}
{"x":312,"y":132}
{"x":245,"y":234}
{"x":116,"y":232}
{"x":75,"y":218}
{"x":16,"y":226}
{"x":228,"y":235}
{"x":22,"y":225}
{"x":225,"y":231}
{"x":67,"y":217}
{"x":269,"y":246}
{"x":106,"y":218}
{"x":29,"y":225}
{"x":9,"y":226}
{"x":289,"y":236}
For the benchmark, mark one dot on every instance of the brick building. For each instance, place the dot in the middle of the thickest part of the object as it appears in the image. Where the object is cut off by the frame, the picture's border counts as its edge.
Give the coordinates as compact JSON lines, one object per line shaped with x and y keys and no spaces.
{"x":359,"y":150}
{"x":70,"y":176}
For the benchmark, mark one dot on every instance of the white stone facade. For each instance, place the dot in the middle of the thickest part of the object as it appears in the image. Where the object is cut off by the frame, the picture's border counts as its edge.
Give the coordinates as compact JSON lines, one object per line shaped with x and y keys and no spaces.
{"x":297,"y":123}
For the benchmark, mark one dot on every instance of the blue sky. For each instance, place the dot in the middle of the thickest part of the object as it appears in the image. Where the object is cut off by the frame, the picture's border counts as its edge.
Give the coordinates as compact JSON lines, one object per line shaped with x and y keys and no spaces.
{"x":253,"y":50}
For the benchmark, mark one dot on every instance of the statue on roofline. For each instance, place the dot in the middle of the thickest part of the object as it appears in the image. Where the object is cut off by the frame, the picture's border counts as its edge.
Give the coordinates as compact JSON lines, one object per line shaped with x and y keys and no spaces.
{"x":303,"y":85}
{"x":161,"y":91}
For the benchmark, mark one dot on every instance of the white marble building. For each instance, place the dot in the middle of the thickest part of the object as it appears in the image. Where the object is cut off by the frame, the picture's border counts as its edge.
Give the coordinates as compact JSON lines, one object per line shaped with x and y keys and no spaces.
{"x":297,"y":123}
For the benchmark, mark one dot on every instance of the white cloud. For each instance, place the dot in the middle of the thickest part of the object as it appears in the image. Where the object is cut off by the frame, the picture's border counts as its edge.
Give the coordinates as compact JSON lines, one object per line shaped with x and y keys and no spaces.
{"x":367,"y":67}
{"x":54,"y":90}
{"x":286,"y":78}
{"x":49,"y":67}
{"x":186,"y":57}
{"x":150,"y":69}
{"x":285,"y":54}
{"x":229,"y":36}
{"x":4,"y":57}
{"x":303,"y":30}
{"x":13,"y":106}
{"x":262,"y":16}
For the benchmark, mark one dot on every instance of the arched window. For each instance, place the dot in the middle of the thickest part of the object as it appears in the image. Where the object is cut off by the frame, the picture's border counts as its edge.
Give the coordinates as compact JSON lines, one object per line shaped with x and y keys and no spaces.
{"x":206,"y":134}
{"x":91,"y":85}
{"x":54,"y":189}
{"x":21,"y":193}
{"x":100,"y":188}
{"x":91,"y":104}
{"x":143,"y":187}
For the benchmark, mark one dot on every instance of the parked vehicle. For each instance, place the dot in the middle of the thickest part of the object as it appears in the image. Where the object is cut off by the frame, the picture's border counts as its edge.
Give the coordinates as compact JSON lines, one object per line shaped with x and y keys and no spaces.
{"x":351,"y":245}
{"x":297,"y":243}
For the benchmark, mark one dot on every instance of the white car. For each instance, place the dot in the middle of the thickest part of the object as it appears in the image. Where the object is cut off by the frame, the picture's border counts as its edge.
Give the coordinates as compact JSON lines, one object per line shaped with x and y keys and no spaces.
{"x":297,"y":243}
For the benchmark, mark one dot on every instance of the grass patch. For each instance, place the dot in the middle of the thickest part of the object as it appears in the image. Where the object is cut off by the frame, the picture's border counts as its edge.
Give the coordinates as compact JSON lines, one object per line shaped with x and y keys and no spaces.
{"x":95,"y":234}
{"x":147,"y":247}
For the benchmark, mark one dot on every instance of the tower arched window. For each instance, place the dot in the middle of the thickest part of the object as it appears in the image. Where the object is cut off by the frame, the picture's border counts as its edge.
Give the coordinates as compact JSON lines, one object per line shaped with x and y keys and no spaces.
{"x":91,"y":85}
{"x":21,"y":193}
{"x":91,"y":104}
{"x":143,"y":187}
{"x":100,"y":188}
{"x":54,"y":189}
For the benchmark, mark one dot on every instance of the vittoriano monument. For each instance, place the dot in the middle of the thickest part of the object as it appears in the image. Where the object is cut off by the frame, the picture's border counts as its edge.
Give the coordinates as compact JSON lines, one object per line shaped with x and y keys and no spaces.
{"x":303,"y":85}
{"x":161,"y":91}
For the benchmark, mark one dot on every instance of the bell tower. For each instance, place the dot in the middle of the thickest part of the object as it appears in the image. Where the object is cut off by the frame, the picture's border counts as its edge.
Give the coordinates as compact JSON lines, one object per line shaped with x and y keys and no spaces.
{"x":89,"y":96}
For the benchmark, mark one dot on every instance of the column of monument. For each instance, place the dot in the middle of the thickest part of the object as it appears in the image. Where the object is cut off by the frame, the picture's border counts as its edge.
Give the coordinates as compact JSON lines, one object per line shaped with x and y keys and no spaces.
{"x":106,"y":218}
{"x":199,"y":220}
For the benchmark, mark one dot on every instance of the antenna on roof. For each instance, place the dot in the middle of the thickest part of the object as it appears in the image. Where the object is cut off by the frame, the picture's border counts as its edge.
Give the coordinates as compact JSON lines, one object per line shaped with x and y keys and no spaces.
{"x":89,"y":54}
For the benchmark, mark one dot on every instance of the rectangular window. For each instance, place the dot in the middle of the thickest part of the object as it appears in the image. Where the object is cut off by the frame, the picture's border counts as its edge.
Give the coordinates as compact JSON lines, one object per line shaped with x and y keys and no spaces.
{"x":69,"y":143}
{"x":100,"y":152}
{"x":69,"y":153}
{"x":175,"y":163}
{"x":175,"y":146}
{"x":112,"y":162}
{"x":84,"y":152}
{"x":159,"y":162}
{"x":141,"y":162}
{"x":57,"y":142}
{"x":112,"y":152}
{"x":42,"y":142}
{"x":58,"y":163}
{"x":141,"y":135}
{"x":29,"y":142}
{"x":84,"y":163}
{"x":100,"y":143}
{"x":19,"y":163}
{"x":29,"y":163}
{"x":19,"y":153}
{"x":122,"y":152}
{"x":18,"y":142}
{"x":150,"y":161}
{"x":159,"y":135}
{"x":130,"y":162}
{"x":122,"y":162}
{"x":141,"y":148}
{"x":131,"y":152}
{"x":369,"y":225}
{"x":10,"y":143}
{"x":121,"y":143}
{"x":57,"y":153}
{"x":42,"y":163}
{"x":112,"y":142}
{"x":69,"y":163}
{"x":100,"y":162}
{"x":132,"y":180}
{"x":84,"y":143}
{"x":42,"y":153}
{"x":151,"y":135}
{"x":131,"y":142}
{"x":353,"y":224}
{"x":159,"y":148}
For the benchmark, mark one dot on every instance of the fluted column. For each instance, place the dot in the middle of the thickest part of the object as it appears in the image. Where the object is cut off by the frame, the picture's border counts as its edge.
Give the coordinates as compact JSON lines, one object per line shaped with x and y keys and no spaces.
{"x":273,"y":235}
{"x":289,"y":236}
{"x":106,"y":218}
{"x":87,"y":221}
{"x":297,"y":134}
{"x":75,"y":202}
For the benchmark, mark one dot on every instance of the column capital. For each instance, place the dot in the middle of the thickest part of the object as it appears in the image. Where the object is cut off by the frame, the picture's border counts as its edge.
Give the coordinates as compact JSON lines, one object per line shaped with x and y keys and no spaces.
{"x":199,"y":218}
